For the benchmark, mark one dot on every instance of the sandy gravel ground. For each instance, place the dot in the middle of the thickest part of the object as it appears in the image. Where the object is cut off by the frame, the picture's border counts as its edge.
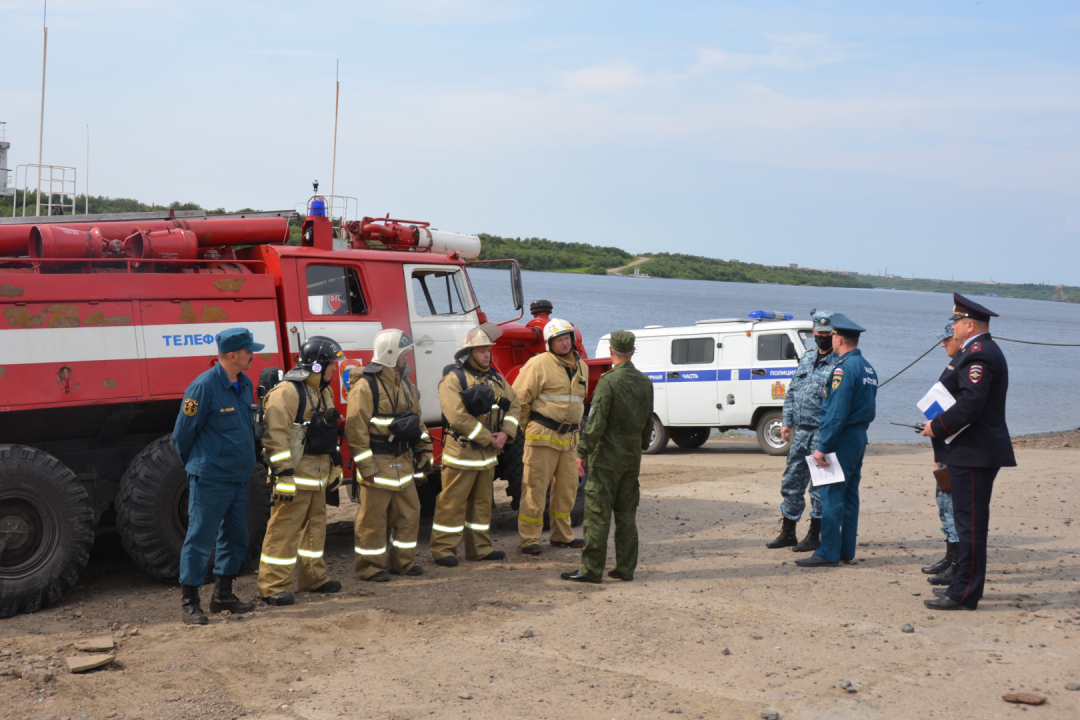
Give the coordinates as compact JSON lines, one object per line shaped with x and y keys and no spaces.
{"x":714,"y":626}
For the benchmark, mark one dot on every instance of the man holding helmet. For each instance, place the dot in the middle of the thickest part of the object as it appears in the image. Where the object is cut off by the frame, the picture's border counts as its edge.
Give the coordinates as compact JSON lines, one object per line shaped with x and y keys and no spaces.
{"x":301,"y":448}
{"x":391,"y":449}
{"x":480,"y":411}
{"x":551,"y":388}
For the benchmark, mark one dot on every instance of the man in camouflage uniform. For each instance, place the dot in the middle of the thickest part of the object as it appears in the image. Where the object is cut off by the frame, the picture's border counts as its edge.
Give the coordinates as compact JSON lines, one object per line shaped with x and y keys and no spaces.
{"x":802,"y":411}
{"x":619,"y":428}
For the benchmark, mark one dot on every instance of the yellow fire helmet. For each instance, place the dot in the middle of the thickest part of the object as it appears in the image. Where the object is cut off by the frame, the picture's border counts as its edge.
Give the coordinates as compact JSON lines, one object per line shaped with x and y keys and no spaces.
{"x":555,"y":328}
{"x":483,"y":336}
{"x":389,"y":345}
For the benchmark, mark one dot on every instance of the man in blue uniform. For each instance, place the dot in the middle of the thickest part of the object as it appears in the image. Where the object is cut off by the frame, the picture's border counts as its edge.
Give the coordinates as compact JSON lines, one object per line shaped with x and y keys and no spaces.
{"x":802,"y":414}
{"x":849,"y":408}
{"x":978,"y":380}
{"x":215,"y":438}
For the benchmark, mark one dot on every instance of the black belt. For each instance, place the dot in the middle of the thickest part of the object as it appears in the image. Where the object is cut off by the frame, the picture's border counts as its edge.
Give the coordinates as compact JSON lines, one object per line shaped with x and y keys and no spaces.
{"x":561,"y":428}
{"x":462,"y":439}
{"x":388,"y":447}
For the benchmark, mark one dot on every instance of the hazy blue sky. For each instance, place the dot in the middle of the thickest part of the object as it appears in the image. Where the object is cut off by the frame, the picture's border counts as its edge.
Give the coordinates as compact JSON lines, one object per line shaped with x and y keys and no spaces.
{"x":931,"y":138}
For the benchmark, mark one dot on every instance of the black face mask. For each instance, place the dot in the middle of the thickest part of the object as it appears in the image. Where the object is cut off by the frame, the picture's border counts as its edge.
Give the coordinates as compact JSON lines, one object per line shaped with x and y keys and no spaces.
{"x":824,"y":343}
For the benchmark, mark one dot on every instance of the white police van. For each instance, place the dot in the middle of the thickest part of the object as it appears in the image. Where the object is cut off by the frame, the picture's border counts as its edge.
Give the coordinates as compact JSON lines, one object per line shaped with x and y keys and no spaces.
{"x":726,"y":373}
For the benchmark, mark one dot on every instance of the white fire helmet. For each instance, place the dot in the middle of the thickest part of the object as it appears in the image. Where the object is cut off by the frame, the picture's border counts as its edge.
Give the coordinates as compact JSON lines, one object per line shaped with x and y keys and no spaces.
{"x":483,"y":336}
{"x":389,"y":345}
{"x":555,"y":328}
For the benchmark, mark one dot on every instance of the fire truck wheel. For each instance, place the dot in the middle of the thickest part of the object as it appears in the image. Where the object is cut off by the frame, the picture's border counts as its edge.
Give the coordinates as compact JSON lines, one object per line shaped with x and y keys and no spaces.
{"x":429,"y":493}
{"x":46,"y":529}
{"x":659,"y":438}
{"x":152,"y":507}
{"x":511,"y":467}
{"x":690,"y":438}
{"x":768,"y":434}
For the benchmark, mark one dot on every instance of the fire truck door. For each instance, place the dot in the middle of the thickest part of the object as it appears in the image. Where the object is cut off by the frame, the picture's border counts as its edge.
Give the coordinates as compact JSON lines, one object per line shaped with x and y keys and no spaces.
{"x":441,"y":312}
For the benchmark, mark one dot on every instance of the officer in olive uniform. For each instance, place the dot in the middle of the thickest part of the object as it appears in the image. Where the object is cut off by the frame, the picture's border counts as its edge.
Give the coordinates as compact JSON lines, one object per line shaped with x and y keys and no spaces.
{"x":943,"y":570}
{"x":215,"y":438}
{"x":480,"y":411}
{"x":848,"y":409}
{"x":392,"y":451}
{"x":978,"y":379}
{"x":302,"y":450}
{"x":802,"y":413}
{"x":619,"y":428}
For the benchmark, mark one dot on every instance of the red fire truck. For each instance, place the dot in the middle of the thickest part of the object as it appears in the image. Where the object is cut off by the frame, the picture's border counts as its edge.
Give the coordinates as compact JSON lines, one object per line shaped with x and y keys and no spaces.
{"x":106,"y":320}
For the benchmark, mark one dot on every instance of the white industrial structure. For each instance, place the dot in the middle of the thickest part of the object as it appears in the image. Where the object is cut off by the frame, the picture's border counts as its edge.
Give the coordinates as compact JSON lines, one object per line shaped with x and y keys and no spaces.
{"x":6,"y":188}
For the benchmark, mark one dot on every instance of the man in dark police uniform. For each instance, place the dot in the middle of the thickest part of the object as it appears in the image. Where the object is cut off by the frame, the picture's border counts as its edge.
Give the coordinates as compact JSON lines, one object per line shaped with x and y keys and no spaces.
{"x":978,"y":379}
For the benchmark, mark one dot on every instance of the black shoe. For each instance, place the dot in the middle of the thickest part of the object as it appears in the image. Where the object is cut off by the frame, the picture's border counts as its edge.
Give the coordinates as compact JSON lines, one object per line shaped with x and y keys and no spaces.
{"x":619,"y":576}
{"x":575,"y":543}
{"x":279,"y":599}
{"x":223,"y":598}
{"x":448,"y":561}
{"x":944,"y":577}
{"x":381,"y":576}
{"x":415,"y":570}
{"x":786,"y":538}
{"x":952,"y":552}
{"x":533,"y":549}
{"x":330,"y":586}
{"x":812,"y":541}
{"x":494,"y":555}
{"x":815,"y":561}
{"x":191,"y":612}
{"x":577,"y":577}
{"x":945,"y":603}
{"x":940,"y":591}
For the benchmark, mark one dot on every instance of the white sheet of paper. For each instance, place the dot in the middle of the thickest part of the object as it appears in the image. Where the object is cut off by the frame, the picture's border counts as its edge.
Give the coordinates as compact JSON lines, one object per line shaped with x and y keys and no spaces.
{"x":825,"y":475}
{"x":935,"y":402}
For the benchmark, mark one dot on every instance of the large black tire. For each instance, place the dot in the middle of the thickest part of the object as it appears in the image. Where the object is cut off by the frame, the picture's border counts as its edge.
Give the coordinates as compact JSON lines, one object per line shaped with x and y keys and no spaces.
{"x":660,"y":436}
{"x":690,"y":438}
{"x":152,"y":510}
{"x":768,"y":434}
{"x":46,"y":529}
{"x":428,"y":493}
{"x":511,"y":468}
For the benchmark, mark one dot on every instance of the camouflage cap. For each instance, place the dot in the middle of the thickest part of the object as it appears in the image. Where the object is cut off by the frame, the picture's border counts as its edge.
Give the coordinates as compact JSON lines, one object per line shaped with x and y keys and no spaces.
{"x":622,"y":341}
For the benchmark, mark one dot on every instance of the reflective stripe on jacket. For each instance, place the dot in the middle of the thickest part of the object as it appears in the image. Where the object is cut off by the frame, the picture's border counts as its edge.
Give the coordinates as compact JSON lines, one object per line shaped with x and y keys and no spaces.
{"x":476,"y":430}
{"x":555,"y":389}
{"x":280,"y":406}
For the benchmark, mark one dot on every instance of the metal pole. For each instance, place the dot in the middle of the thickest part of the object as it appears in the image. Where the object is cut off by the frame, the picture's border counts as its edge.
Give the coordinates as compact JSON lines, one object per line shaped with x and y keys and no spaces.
{"x":41,"y":126}
{"x":88,"y":169}
{"x":333,"y":165}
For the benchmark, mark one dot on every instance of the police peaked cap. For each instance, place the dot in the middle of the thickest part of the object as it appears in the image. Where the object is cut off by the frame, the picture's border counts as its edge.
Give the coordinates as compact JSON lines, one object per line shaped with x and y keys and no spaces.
{"x":967,"y":309}
{"x":844,"y":326}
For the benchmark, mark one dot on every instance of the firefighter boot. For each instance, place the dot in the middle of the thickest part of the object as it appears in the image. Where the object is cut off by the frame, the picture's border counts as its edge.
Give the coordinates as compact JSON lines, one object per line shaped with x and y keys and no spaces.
{"x":190,"y":611}
{"x":223,"y":598}
{"x":812,"y":539}
{"x":946,"y":575}
{"x":786,"y":538}
{"x":943,"y":562}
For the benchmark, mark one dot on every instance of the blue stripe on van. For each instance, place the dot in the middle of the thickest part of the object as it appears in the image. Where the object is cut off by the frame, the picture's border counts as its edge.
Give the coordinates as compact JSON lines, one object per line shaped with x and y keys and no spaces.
{"x":773,"y":373}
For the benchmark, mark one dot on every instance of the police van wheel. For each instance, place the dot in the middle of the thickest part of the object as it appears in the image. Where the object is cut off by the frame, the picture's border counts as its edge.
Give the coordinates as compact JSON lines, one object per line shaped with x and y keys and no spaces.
{"x":768,"y":434}
{"x":659,"y":438}
{"x":152,"y":510}
{"x":690,"y":438}
{"x":46,"y":529}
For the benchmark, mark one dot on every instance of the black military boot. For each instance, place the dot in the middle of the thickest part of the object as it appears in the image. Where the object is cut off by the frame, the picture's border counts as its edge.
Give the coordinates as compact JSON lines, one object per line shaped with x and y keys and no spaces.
{"x":950,"y":551}
{"x":223,"y":598}
{"x":946,"y":575}
{"x":191,"y":612}
{"x":813,"y":538}
{"x":787,"y":536}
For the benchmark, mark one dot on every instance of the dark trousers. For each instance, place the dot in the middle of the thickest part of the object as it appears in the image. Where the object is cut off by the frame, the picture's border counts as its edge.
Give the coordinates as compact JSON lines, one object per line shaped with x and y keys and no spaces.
{"x":217,"y":510}
{"x":840,"y":501}
{"x":971,"y":490}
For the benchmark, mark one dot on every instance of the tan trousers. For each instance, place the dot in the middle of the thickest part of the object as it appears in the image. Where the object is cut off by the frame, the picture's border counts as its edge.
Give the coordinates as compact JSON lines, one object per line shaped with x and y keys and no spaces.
{"x":546,"y":466}
{"x":463,"y":508}
{"x":295,"y":535}
{"x":380,"y":509}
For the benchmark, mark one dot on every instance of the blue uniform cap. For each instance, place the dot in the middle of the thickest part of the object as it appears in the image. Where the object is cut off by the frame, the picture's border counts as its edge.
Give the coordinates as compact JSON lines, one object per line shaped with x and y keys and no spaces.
{"x":822,"y":320}
{"x":947,"y":334}
{"x":964,"y":308}
{"x":845,"y":327}
{"x":235,"y":339}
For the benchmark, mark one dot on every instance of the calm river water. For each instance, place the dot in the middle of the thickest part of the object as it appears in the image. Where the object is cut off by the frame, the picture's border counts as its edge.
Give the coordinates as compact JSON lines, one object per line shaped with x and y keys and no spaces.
{"x":1044,"y":391}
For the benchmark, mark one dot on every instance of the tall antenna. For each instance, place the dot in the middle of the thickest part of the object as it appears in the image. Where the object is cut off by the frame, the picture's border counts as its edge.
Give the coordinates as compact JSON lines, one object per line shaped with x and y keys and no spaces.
{"x":41,"y":126}
{"x":337,"y":94}
{"x":88,"y":169}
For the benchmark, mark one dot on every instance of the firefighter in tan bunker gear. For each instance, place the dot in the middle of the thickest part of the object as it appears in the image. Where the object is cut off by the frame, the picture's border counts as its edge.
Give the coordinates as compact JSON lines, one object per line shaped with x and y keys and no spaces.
{"x":304,"y":463}
{"x":481,"y":416}
{"x":391,"y":450}
{"x":551,"y":388}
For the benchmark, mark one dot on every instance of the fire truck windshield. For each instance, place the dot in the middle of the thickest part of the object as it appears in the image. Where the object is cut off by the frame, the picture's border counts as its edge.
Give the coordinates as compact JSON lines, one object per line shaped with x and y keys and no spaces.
{"x":441,"y":292}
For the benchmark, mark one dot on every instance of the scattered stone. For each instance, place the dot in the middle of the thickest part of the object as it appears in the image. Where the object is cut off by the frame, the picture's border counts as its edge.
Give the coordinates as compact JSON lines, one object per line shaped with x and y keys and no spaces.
{"x":97,"y":644}
{"x":120,"y":634}
{"x":1024,"y":698}
{"x":845,"y":685}
{"x":527,"y":633}
{"x":112,"y":714}
{"x":58,"y":648}
{"x":116,"y":626}
{"x":1072,"y":686}
{"x":725,"y":651}
{"x":40,"y":676}
{"x":755,"y":636}
{"x":299,"y":678}
{"x":894,"y":582}
{"x":770,"y":715}
{"x":916,"y":594}
{"x":465,"y":696}
{"x":82,"y":663}
{"x":908,"y":628}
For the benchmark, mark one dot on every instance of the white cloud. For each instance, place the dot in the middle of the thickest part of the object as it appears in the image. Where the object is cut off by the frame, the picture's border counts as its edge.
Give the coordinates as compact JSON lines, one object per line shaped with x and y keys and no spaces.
{"x":788,"y":52}
{"x":602,"y":78}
